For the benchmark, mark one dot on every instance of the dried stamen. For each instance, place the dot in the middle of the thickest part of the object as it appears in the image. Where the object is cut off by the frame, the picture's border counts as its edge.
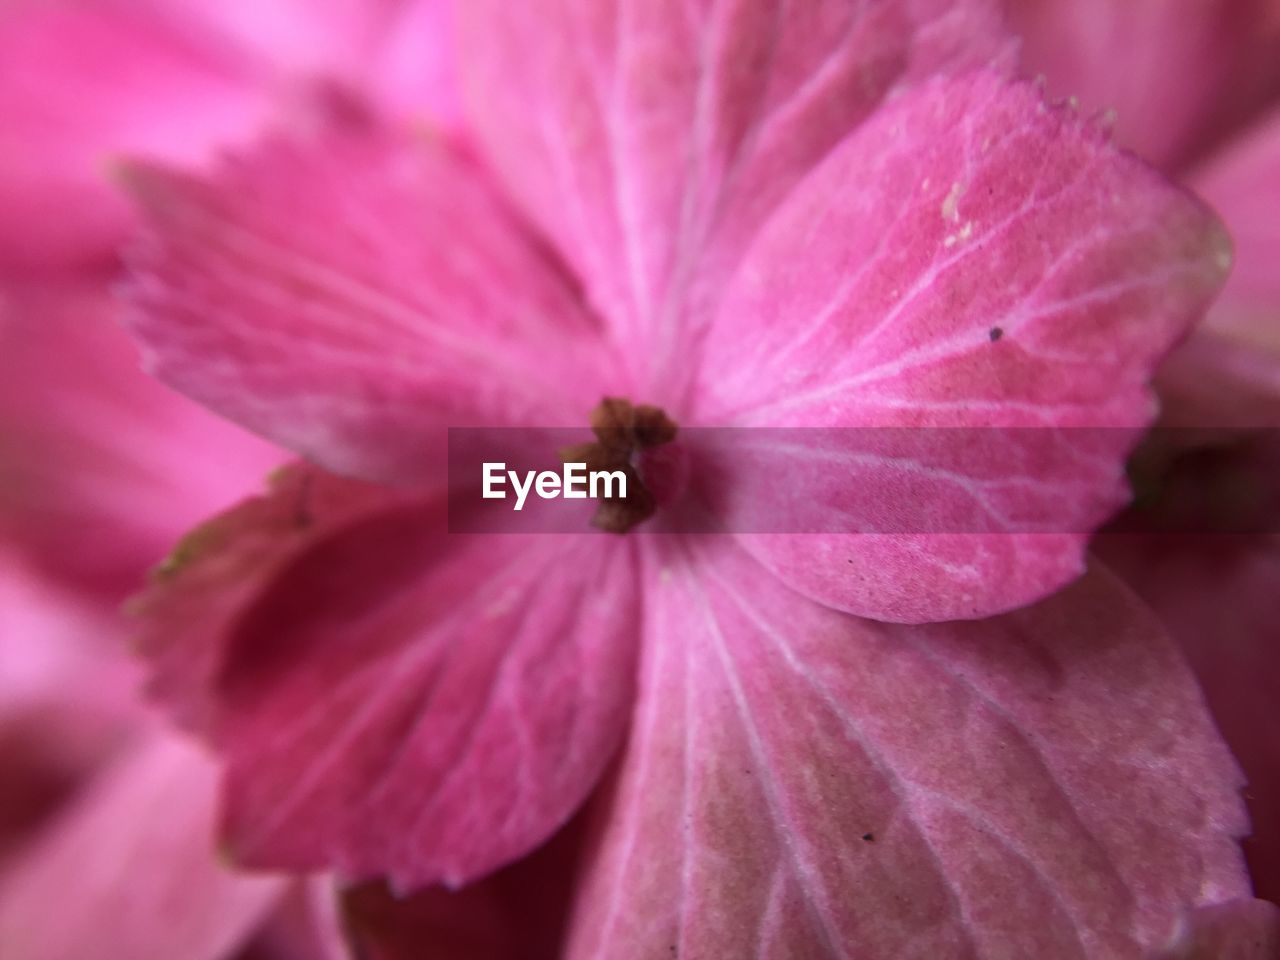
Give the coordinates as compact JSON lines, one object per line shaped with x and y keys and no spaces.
{"x":621,"y":431}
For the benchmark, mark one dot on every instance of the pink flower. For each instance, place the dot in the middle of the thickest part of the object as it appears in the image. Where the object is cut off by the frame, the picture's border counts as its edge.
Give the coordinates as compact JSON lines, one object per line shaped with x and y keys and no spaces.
{"x":1198,"y":92}
{"x":94,"y":464}
{"x":107,"y":816}
{"x":828,"y":215}
{"x":84,"y":82}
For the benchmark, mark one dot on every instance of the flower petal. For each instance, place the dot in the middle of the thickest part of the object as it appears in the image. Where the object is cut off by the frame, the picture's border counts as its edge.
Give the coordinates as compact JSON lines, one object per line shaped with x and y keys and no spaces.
{"x":274,"y":38}
{"x":1243,"y":184}
{"x":67,"y":701}
{"x":415,"y":71}
{"x":81,"y":82}
{"x":304,"y":926}
{"x":1239,"y":930}
{"x":800,"y":782}
{"x":130,"y":871}
{"x":1000,"y":266}
{"x":1201,"y":545}
{"x":351,"y":294}
{"x":392,"y":699}
{"x":517,"y":914}
{"x":1178,"y":73}
{"x":1218,"y":381}
{"x":651,"y":140}
{"x":101,"y":468}
{"x":1220,"y":599}
{"x":199,"y":592}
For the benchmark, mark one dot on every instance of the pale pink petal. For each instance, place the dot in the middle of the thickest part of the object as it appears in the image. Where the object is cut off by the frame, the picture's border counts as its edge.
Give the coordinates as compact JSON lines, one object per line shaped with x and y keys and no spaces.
{"x":52,"y":641}
{"x":392,"y":699}
{"x":305,"y":925}
{"x":999,"y":266}
{"x":1179,"y":74}
{"x":67,"y":696}
{"x":1242,"y":183}
{"x":350,"y":294}
{"x":101,"y":468}
{"x":278,"y":39}
{"x":1239,"y":930}
{"x":414,"y":72}
{"x":130,"y":871}
{"x":650,"y":140}
{"x":802,"y":783}
{"x":81,"y":82}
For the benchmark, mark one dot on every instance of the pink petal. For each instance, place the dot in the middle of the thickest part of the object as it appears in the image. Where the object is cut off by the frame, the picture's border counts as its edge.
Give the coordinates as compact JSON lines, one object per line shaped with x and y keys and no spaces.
{"x":801,"y":783}
{"x":998,"y":266}
{"x":1216,"y":380}
{"x":81,"y":82}
{"x":304,"y":926}
{"x":306,"y":293}
{"x":516,"y":914}
{"x":391,"y":699}
{"x":1178,"y":73}
{"x":415,"y":73}
{"x":1239,"y":930}
{"x":200,"y":591}
{"x":52,"y":641}
{"x":1218,"y":592}
{"x":651,"y":140}
{"x":1242,"y":184}
{"x":101,"y":468}
{"x":130,"y":871}
{"x":67,"y":698}
{"x":285,"y":37}
{"x":1220,"y":598}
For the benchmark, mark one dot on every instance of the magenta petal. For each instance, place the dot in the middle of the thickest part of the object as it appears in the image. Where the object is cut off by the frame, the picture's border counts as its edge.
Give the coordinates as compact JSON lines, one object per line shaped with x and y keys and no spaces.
{"x":1239,"y":930}
{"x":101,"y":468}
{"x":516,"y":914}
{"x":802,"y":783}
{"x":999,"y":265}
{"x":1177,"y":73}
{"x":306,"y":925}
{"x":650,"y":140}
{"x":130,"y":871}
{"x":1215,"y":381}
{"x":350,"y":294}
{"x":1220,"y":597}
{"x":392,"y":699}
{"x":275,"y":38}
{"x":82,"y":82}
{"x":1243,"y":185}
{"x":197,"y":595}
{"x":415,"y":74}
{"x":67,"y":697}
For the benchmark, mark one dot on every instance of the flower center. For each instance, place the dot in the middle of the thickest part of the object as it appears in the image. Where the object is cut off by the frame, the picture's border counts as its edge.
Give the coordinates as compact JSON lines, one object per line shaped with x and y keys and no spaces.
{"x":622,"y":432}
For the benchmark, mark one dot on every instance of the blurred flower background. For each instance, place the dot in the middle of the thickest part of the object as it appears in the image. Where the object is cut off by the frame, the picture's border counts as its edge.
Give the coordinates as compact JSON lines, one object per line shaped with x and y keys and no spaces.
{"x":108,"y":813}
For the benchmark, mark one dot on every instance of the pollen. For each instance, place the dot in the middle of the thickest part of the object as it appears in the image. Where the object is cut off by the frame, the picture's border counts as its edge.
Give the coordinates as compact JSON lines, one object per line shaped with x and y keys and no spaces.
{"x":951,"y":204}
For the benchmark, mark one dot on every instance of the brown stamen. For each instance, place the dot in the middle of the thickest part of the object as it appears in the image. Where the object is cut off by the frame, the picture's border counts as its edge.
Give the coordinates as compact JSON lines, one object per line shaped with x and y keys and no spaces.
{"x":621,"y":430}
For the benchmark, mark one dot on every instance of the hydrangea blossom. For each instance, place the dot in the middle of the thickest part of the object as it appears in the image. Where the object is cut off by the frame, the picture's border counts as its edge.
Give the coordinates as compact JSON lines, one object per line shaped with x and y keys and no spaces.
{"x":742,"y":215}
{"x":822,"y":214}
